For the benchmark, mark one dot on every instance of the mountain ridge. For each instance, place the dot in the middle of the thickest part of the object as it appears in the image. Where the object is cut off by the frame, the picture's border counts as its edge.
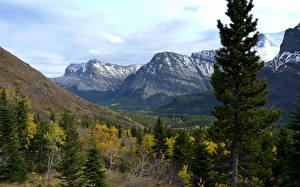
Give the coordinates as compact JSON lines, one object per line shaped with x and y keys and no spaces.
{"x":44,"y":95}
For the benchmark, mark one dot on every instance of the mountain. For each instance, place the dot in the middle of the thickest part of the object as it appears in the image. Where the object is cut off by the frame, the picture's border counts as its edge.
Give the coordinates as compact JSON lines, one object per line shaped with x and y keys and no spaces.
{"x":156,"y":83}
{"x":289,"y":54}
{"x":283,"y":72}
{"x":95,"y":75}
{"x":268,"y":45}
{"x":170,"y":74}
{"x":45,"y":95}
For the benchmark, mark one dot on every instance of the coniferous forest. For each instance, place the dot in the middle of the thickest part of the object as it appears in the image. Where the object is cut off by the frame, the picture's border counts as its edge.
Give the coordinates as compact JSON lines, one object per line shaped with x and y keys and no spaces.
{"x":243,"y":144}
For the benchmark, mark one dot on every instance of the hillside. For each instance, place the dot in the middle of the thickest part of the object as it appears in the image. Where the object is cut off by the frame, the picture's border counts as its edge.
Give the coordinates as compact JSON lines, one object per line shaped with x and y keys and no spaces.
{"x":44,"y":94}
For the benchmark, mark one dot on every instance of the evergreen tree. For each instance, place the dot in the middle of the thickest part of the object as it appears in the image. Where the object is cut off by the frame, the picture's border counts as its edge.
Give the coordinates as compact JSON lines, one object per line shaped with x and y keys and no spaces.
{"x":21,"y":109}
{"x":159,"y":135}
{"x":282,"y":152}
{"x":38,"y":148}
{"x":200,"y":166}
{"x":259,"y":153}
{"x":293,"y":159}
{"x":236,"y":83}
{"x":12,"y":166}
{"x":93,"y":168}
{"x":182,"y":148}
{"x":70,"y":165}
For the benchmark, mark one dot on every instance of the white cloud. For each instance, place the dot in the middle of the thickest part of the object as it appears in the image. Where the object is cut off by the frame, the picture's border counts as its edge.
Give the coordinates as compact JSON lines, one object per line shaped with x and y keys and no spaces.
{"x":94,"y":51}
{"x":56,"y":58}
{"x":112,"y":38}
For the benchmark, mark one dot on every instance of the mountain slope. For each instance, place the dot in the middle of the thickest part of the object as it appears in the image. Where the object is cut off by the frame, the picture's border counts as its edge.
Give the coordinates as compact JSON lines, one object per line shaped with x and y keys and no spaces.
{"x":95,"y":75}
{"x":168,"y":74}
{"x":44,"y":94}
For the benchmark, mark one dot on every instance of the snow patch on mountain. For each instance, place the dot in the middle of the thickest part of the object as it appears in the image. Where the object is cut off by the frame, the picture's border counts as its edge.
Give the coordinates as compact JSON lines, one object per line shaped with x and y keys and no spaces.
{"x":268,"y":45}
{"x":95,"y":75}
{"x":284,"y":58}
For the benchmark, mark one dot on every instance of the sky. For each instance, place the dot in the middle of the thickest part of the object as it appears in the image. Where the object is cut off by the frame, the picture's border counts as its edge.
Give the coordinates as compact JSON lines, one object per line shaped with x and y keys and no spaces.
{"x":51,"y":34}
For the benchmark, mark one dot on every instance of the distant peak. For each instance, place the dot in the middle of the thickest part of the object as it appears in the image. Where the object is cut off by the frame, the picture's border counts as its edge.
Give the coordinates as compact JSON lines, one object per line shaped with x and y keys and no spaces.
{"x":164,"y":55}
{"x":298,"y":26}
{"x":94,"y":61}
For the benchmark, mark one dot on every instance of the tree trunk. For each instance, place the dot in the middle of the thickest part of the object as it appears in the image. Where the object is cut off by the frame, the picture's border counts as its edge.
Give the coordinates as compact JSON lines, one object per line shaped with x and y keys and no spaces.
{"x":235,"y":164}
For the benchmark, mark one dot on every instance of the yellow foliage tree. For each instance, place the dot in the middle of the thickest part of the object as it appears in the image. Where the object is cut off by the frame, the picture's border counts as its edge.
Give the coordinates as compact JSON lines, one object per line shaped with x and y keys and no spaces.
{"x":31,"y":128}
{"x":185,"y":175}
{"x":108,"y":141}
{"x":170,"y":142}
{"x":55,"y":136}
{"x":211,"y":147}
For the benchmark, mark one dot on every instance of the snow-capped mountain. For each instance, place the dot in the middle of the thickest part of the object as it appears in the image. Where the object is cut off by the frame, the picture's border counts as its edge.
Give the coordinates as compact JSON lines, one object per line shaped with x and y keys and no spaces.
{"x":205,"y":61}
{"x":171,"y":74}
{"x":289,"y":51}
{"x":268,"y":45}
{"x":95,"y":75}
{"x":283,"y":72}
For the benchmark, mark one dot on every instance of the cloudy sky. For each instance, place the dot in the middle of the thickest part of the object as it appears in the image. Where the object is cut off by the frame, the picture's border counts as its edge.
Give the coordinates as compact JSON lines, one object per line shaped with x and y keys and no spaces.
{"x":50,"y":34}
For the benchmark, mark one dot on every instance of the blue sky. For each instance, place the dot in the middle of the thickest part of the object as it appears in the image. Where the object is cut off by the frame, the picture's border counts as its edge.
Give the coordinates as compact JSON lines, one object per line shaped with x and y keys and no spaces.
{"x":50,"y":34}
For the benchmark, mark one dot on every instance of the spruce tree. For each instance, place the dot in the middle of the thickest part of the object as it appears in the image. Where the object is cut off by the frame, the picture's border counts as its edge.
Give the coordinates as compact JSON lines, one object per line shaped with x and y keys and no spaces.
{"x":200,"y":166}
{"x":159,"y":135}
{"x":182,"y":148}
{"x":93,"y":168}
{"x":12,"y":166}
{"x":293,"y":159}
{"x":236,"y":83}
{"x":70,"y":165}
{"x":21,"y":109}
{"x":282,"y":152}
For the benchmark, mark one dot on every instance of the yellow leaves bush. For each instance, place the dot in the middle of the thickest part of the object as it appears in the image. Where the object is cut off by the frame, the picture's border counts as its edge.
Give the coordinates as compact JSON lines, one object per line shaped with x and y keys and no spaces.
{"x":211,"y":147}
{"x":185,"y":175}
{"x":55,"y":135}
{"x":31,"y":127}
{"x":107,"y":139}
{"x":170,"y":142}
{"x":148,"y":141}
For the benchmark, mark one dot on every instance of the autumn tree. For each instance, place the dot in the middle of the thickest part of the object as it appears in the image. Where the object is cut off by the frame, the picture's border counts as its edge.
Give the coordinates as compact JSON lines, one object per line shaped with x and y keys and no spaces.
{"x":55,"y":137}
{"x":108,"y":142}
{"x":236,"y":83}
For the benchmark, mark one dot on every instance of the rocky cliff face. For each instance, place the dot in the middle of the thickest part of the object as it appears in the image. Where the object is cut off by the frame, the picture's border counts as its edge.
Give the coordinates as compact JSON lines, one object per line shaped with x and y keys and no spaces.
{"x":95,"y":75}
{"x":170,"y":74}
{"x":288,"y":57}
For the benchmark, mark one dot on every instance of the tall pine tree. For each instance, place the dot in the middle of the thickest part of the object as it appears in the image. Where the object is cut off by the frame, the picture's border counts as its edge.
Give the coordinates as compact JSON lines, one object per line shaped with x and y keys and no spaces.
{"x":71,"y":164}
{"x":236,"y":83}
